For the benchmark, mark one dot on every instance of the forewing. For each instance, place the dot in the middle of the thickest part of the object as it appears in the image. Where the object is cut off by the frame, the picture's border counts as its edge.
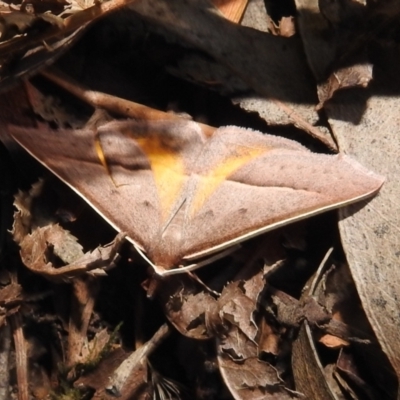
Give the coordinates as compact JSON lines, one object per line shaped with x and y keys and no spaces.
{"x":256,"y":183}
{"x":125,"y":195}
{"x":140,"y":184}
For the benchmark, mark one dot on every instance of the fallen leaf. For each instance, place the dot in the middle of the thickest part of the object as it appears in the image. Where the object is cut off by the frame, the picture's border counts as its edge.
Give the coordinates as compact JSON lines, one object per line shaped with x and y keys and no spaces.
{"x":343,"y":78}
{"x":275,"y":69}
{"x":253,"y":379}
{"x":18,"y":23}
{"x":237,"y":308}
{"x":36,"y":247}
{"x":191,"y":309}
{"x":364,"y":123}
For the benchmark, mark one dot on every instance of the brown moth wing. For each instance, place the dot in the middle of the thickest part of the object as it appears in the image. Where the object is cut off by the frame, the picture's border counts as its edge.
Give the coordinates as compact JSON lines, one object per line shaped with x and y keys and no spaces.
{"x":127,"y":195}
{"x":180,"y":196}
{"x":285,"y":182}
{"x":172,"y":148}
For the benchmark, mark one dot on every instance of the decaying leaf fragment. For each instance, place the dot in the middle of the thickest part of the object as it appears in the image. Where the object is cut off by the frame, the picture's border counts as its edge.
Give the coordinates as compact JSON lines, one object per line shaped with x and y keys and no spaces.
{"x":365,"y":124}
{"x":191,"y":310}
{"x":128,"y":376}
{"x":18,"y":23}
{"x":44,"y":248}
{"x":38,"y":39}
{"x":344,"y":330}
{"x":37,"y":247}
{"x":358,"y":75}
{"x":245,"y":373}
{"x":11,"y":297}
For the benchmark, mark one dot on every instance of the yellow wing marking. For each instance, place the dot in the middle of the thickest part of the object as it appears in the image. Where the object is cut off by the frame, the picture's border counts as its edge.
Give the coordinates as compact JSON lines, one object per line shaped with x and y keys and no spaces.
{"x":210,"y":182}
{"x":168,"y":170}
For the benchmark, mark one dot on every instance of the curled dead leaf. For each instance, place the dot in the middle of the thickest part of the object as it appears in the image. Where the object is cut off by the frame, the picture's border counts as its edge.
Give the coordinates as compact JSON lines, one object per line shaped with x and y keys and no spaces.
{"x":37,"y":253}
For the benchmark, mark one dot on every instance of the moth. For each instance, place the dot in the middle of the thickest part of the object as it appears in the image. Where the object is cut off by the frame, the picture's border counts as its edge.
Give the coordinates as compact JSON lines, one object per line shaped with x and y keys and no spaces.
{"x":184,"y":198}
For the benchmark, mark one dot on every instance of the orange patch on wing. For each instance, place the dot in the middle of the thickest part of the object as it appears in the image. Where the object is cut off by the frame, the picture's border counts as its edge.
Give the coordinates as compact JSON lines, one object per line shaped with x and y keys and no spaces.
{"x":168,"y":170}
{"x":210,"y":182}
{"x":102,"y":158}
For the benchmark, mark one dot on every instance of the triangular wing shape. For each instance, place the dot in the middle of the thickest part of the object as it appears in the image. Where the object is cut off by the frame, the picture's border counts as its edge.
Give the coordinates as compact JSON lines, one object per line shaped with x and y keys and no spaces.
{"x":143,"y":179}
{"x":280,"y":183}
{"x":180,"y":196}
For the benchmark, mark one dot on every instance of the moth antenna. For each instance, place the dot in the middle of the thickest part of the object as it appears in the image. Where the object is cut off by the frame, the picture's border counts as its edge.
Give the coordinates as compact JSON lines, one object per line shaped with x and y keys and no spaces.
{"x":207,"y":288}
{"x":173,"y":215}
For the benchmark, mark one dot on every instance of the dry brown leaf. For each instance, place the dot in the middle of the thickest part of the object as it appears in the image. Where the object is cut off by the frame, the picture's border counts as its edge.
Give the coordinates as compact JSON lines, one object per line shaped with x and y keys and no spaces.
{"x":11,"y":295}
{"x":348,"y":375}
{"x":24,"y":220}
{"x":11,"y":298}
{"x":35,"y":57}
{"x":333,"y":342}
{"x":36,"y":247}
{"x":332,"y":287}
{"x":191,"y":310}
{"x":17,"y":23}
{"x":237,"y":345}
{"x":50,"y":108}
{"x":237,"y":308}
{"x":308,"y":371}
{"x":268,"y":340}
{"x":253,"y":379}
{"x":274,"y":69}
{"x":43,"y":243}
{"x":370,"y":235}
{"x":358,"y":75}
{"x":244,"y":373}
{"x":365,"y":125}
{"x":28,"y":53}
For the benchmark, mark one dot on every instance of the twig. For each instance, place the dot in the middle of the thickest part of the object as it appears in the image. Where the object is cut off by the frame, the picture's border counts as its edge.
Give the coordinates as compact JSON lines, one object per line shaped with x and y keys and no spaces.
{"x":138,"y":357}
{"x":21,"y":356}
{"x":112,"y":103}
{"x":306,"y":126}
{"x":5,"y":346}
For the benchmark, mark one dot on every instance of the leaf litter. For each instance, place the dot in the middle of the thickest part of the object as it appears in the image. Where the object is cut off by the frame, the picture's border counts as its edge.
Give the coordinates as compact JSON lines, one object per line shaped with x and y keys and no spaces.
{"x":265,"y":322}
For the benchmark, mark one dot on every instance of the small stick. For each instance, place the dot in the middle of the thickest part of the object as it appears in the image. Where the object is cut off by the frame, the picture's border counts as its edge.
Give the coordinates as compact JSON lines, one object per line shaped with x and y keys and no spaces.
{"x":306,"y":126}
{"x":21,"y":356}
{"x":139,"y":356}
{"x":5,"y":347}
{"x":112,"y":103}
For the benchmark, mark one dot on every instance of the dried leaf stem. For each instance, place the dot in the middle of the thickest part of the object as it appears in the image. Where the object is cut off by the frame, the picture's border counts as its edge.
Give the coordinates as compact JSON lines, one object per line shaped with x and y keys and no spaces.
{"x":112,"y":103}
